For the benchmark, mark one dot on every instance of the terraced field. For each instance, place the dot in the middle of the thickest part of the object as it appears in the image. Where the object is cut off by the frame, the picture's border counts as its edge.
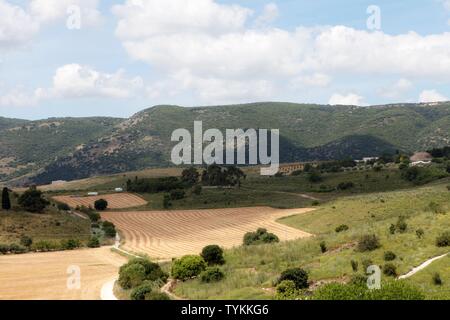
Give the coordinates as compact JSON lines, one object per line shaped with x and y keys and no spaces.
{"x":44,"y":276}
{"x":115,"y":201}
{"x":168,"y":234}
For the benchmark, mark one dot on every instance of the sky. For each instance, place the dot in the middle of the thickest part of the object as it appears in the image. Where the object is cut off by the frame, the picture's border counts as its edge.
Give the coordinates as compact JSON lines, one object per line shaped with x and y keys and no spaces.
{"x":61,"y":58}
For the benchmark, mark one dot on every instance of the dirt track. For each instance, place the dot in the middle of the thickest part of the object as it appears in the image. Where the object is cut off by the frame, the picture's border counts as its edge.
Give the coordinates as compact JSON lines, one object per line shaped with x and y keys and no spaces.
{"x":43,"y":276}
{"x":115,"y":201}
{"x":167,"y":234}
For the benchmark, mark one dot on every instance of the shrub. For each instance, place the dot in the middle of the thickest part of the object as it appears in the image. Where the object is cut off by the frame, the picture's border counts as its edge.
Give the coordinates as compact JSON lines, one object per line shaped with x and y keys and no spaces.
{"x":259,"y":237}
{"x":437,"y":279}
{"x":70,"y":244}
{"x":45,"y":246}
{"x":141,"y":291}
{"x":342,"y":228}
{"x":401,"y":225}
{"x":286,"y":290}
{"x":17,"y":249}
{"x":368,"y":243}
{"x":323,"y":247}
{"x":392,"y":229}
{"x":33,"y":201}
{"x":177,"y":194}
{"x":366,"y":263}
{"x":93,"y":242}
{"x":26,"y":241}
{"x":420,"y":233}
{"x":197,"y":189}
{"x":213,"y":254}
{"x":101,"y":204}
{"x":166,"y":201}
{"x":109,"y":229}
{"x":389,"y":256}
{"x":354,"y":265}
{"x":390,"y":270}
{"x":131,"y":275}
{"x":63,"y":206}
{"x":436,"y":208}
{"x":358,"y":279}
{"x":188,"y":267}
{"x":443,"y":240}
{"x":212,"y":274}
{"x":156,"y":296}
{"x":138,"y":270}
{"x":314,"y":177}
{"x":345,"y":186}
{"x":297,"y":275}
{"x":4,"y":248}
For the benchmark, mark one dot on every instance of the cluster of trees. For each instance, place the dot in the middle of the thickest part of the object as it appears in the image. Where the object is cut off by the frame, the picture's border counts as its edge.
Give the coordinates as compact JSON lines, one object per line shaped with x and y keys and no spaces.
{"x":215,"y":175}
{"x":32,"y":200}
{"x":440,"y":152}
{"x":261,"y":236}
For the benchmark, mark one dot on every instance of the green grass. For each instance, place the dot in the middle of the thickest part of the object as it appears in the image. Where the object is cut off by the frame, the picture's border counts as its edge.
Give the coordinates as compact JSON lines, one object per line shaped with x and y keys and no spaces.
{"x":250,"y":271}
{"x":424,"y":279}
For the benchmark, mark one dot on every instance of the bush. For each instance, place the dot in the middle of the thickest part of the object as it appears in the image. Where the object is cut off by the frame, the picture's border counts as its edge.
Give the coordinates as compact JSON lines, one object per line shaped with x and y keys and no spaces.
{"x":342,"y":228}
{"x":443,"y":240}
{"x":197,"y":189}
{"x":109,"y":229}
{"x":392,"y":229}
{"x":177,"y":194}
{"x":212,"y":274}
{"x":345,"y":186}
{"x":188,"y":267}
{"x":354,"y":265}
{"x":138,"y":270}
{"x":141,"y":291}
{"x":63,"y":206}
{"x":314,"y":177}
{"x":261,"y":236}
{"x":101,"y":204}
{"x":436,"y":208}
{"x":420,"y":233}
{"x":401,"y":225}
{"x":437,"y":279}
{"x":389,"y":256}
{"x":33,"y":201}
{"x":156,"y":296}
{"x":45,"y":246}
{"x":286,"y":290}
{"x":17,"y":249}
{"x":26,"y":241}
{"x":131,"y":275}
{"x":93,"y":242}
{"x":166,"y":201}
{"x":297,"y":275}
{"x":390,"y":270}
{"x":368,"y":243}
{"x":213,"y":254}
{"x":70,"y":244}
{"x":323,"y":247}
{"x":359,"y":279}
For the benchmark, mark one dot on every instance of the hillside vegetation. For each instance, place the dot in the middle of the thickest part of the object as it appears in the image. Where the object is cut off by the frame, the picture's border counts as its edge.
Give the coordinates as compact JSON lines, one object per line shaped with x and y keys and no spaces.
{"x":79,"y":148}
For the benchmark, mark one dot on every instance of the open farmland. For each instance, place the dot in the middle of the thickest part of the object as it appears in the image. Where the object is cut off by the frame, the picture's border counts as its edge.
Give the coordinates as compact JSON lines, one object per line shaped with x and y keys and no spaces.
{"x":168,"y":234}
{"x":44,"y":276}
{"x":115,"y":201}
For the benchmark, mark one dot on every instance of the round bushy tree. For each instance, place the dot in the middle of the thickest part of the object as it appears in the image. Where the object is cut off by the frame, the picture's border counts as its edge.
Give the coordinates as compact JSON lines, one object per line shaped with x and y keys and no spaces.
{"x":368,"y":243}
{"x":188,"y":267}
{"x":297,"y":275}
{"x":131,"y":275}
{"x":213,"y":254}
{"x":32,"y":200}
{"x":101,"y":204}
{"x":212,"y":274}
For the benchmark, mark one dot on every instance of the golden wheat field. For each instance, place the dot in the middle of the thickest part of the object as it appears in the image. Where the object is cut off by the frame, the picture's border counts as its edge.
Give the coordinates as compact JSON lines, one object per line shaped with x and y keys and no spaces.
{"x":44,"y":276}
{"x":115,"y":201}
{"x":167,"y":234}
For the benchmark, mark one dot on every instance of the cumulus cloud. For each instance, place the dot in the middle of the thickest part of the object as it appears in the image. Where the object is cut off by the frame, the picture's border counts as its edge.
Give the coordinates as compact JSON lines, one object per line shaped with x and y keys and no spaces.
{"x":313,"y":80}
{"x":217,"y":41}
{"x":269,"y":15}
{"x":74,"y":81}
{"x":396,"y":89}
{"x":351,"y":99}
{"x":427,"y":96}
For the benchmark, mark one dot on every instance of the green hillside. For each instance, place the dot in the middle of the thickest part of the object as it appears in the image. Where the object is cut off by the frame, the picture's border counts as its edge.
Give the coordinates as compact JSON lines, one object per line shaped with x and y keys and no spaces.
{"x":308,"y":132}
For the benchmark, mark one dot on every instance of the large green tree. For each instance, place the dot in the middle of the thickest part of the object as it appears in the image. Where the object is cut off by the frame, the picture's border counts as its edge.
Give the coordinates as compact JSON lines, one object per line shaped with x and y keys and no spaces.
{"x":32,"y":200}
{"x":6,"y":202}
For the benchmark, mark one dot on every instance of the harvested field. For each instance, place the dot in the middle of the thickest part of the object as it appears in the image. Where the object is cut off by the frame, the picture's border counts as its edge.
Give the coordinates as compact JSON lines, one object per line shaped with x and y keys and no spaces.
{"x":115,"y":201}
{"x":43,"y":276}
{"x":167,"y":234}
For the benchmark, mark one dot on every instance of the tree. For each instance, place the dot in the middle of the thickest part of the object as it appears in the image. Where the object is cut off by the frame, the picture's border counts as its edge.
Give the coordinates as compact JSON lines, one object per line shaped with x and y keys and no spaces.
{"x":297,"y":275}
{"x":213,"y":254}
{"x":6,"y":202}
{"x":188,"y":267}
{"x":32,"y":200}
{"x":190,"y":176}
{"x":101,"y":205}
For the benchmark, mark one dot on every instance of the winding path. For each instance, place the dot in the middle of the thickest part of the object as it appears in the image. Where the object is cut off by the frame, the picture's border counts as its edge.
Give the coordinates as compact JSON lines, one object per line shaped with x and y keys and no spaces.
{"x":422,"y":266}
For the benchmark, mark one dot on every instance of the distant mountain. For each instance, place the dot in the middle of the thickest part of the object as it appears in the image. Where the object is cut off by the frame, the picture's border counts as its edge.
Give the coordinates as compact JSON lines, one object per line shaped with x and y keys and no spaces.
{"x":77,"y":148}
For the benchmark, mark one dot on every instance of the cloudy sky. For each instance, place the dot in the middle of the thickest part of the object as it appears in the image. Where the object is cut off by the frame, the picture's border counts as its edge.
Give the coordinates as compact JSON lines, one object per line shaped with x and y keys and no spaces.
{"x":98,"y":57}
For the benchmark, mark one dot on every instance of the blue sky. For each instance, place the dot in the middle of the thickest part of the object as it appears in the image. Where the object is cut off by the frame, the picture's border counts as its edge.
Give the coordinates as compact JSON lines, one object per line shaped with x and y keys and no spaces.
{"x":204,"y":52}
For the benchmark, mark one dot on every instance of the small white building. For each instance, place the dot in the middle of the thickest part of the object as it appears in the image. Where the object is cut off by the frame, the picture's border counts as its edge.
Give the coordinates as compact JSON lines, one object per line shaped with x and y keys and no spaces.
{"x":92,"y":193}
{"x":118,"y":189}
{"x":58,"y":182}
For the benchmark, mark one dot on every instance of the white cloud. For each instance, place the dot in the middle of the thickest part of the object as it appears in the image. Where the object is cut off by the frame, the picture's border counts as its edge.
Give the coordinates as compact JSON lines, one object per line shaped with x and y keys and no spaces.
{"x":16,"y":25}
{"x":269,"y":15}
{"x":396,"y":89}
{"x":431,"y":96}
{"x":351,"y":99}
{"x":215,"y":41}
{"x":74,"y":81}
{"x":313,"y":80}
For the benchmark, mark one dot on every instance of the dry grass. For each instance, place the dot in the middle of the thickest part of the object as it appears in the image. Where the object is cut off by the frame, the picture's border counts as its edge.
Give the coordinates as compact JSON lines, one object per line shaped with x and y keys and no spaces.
{"x":167,"y":234}
{"x":115,"y":201}
{"x":43,"y":276}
